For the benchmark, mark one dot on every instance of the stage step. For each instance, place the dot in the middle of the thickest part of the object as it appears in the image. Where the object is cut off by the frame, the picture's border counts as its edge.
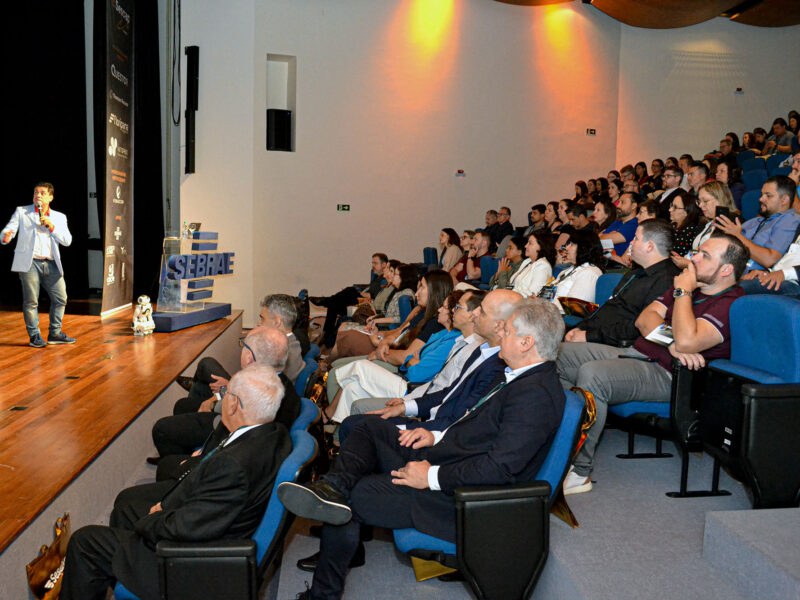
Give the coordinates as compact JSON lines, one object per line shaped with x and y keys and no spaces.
{"x":759,"y":549}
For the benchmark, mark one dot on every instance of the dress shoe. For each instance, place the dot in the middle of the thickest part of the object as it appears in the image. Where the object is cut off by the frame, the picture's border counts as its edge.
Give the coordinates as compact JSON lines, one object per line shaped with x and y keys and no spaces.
{"x":185,"y":382}
{"x":153,"y":460}
{"x":318,"y":300}
{"x":318,"y":501}
{"x":451,"y":577}
{"x":310,"y":562}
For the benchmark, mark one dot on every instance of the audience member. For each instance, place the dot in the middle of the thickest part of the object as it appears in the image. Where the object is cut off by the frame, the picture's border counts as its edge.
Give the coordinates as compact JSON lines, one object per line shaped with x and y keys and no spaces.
{"x":685,"y":162}
{"x":537,"y":268}
{"x":509,"y":264}
{"x":584,"y":254}
{"x":178,"y":435}
{"x":647,"y":210}
{"x":614,"y":190}
{"x":621,"y":231}
{"x":729,"y":173}
{"x":768,"y":235}
{"x":696,"y":177}
{"x":672,"y":183}
{"x":504,"y":226}
{"x":480,"y":247}
{"x":551,"y":217}
{"x":794,"y":124}
{"x":643,"y":178}
{"x":224,"y":496}
{"x":685,"y":216}
{"x":604,"y":214}
{"x":613,"y":322}
{"x":576,"y":214}
{"x":280,"y":311}
{"x":581,"y":192}
{"x":449,"y":248}
{"x":338,"y":303}
{"x":781,"y":139}
{"x":459,"y":271}
{"x":612,"y":175}
{"x":657,"y":167}
{"x":712,"y":198}
{"x":536,"y":219}
{"x":697,"y":310}
{"x":394,"y":481}
{"x":601,"y":189}
{"x":760,"y":135}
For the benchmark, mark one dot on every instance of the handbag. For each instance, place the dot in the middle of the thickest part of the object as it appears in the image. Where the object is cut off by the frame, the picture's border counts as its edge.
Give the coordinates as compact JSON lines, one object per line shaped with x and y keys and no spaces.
{"x":45,"y":572}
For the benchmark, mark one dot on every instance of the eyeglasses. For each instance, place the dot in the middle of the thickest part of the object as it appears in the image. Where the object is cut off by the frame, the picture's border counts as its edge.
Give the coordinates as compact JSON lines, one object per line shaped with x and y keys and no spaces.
{"x":460,"y":307}
{"x":243,"y":344}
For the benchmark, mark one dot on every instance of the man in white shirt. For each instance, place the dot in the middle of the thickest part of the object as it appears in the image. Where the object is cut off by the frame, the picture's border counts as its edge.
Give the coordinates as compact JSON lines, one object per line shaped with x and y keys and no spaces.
{"x":38,"y":262}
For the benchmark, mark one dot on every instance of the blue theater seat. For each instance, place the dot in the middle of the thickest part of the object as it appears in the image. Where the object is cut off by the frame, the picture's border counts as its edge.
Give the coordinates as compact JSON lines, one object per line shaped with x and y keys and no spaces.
{"x":750,"y":204}
{"x":309,"y":413}
{"x":231,"y":568}
{"x":753,"y":180}
{"x":517,"y":514}
{"x":602,"y":291}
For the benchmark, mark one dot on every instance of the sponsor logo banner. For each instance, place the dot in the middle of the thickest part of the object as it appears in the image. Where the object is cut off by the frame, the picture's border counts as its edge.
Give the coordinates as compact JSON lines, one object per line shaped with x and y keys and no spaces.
{"x":118,"y":239}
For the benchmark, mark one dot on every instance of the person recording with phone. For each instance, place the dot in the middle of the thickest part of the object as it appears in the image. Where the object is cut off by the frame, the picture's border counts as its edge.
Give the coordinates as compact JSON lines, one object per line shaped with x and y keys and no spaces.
{"x":37,"y":259}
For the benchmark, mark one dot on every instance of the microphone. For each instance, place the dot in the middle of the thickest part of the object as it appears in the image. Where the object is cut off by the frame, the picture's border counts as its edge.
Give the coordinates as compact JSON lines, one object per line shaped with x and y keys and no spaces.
{"x":39,"y":210}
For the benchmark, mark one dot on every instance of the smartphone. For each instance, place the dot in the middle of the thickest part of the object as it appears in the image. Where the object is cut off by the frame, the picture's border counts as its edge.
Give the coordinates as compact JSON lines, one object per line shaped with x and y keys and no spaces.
{"x":724,"y":210}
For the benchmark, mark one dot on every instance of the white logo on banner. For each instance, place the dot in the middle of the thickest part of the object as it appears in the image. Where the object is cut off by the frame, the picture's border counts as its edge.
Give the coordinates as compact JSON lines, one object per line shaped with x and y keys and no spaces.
{"x":110,"y":277}
{"x":117,"y":233}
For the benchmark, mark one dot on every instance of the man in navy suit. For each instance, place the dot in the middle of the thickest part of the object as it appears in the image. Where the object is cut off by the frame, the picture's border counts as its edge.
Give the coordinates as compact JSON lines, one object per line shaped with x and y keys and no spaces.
{"x":503,"y":439}
{"x":37,"y":259}
{"x":439,"y":409}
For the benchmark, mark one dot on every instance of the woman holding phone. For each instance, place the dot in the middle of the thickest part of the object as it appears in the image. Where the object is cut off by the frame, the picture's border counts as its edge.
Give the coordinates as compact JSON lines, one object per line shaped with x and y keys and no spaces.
{"x":714,"y":198}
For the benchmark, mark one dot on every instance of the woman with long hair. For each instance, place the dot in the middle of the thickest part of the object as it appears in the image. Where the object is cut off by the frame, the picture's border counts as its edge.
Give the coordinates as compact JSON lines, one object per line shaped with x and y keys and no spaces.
{"x":552,"y":223}
{"x":729,"y":173}
{"x":643,"y":177}
{"x":601,"y":189}
{"x":537,"y":268}
{"x":614,"y":190}
{"x":686,"y":218}
{"x":449,"y":248}
{"x":581,"y":191}
{"x":605,"y":213}
{"x":419,"y":363}
{"x":585,"y":254}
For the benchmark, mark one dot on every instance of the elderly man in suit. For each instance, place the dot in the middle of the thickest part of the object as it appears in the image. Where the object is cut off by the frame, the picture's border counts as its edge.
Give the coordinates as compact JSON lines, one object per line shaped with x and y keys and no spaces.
{"x":407,"y":479}
{"x":37,"y":259}
{"x":224,"y":496}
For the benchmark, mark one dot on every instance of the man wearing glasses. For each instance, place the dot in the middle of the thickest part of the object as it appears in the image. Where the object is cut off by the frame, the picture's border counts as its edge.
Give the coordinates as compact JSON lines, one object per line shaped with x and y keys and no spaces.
{"x":175,"y":437}
{"x":672,"y":183}
{"x":224,"y":496}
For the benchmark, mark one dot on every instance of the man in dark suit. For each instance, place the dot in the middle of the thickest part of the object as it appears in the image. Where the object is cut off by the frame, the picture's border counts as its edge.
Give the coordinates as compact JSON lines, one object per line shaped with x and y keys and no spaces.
{"x":178,"y":435}
{"x":672,"y":185}
{"x":394,"y":481}
{"x":222,"y":497}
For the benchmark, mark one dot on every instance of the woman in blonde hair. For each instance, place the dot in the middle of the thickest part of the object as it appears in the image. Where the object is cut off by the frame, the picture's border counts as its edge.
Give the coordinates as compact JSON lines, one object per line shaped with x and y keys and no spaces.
{"x":711,"y":196}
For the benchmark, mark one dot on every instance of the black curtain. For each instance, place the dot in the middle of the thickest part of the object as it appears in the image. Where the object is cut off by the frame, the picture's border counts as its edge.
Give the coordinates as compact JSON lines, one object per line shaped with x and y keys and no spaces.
{"x":44,"y":133}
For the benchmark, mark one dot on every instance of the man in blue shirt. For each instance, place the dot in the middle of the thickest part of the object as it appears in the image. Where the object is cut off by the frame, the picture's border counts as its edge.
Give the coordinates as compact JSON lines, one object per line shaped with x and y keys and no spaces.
{"x":768,"y":235}
{"x":621,"y":231}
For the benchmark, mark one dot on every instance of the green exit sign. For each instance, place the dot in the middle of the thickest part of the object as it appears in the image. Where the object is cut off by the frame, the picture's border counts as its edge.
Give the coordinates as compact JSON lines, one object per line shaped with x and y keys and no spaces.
{"x":343,"y":207}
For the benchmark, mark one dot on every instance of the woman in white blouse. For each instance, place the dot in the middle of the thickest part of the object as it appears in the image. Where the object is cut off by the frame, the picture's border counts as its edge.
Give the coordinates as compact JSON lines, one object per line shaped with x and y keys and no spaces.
{"x":584,"y":253}
{"x":537,"y":268}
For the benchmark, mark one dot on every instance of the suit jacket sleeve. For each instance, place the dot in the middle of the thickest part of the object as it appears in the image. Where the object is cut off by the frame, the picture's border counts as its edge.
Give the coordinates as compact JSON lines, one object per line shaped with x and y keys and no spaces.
{"x":521,"y":434}
{"x":205,"y":510}
{"x":476,"y":385}
{"x":60,"y":231}
{"x":13,"y":223}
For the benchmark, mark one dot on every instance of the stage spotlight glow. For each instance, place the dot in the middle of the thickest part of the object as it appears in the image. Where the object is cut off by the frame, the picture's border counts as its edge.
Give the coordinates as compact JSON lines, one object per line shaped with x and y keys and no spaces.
{"x":430,"y":21}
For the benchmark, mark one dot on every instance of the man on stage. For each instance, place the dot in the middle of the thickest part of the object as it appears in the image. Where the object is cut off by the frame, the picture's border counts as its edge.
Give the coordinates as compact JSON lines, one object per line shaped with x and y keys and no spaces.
{"x":38,"y":262}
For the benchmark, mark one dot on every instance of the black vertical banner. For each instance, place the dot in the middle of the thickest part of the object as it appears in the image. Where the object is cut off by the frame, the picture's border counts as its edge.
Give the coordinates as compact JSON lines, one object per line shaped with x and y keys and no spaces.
{"x":118,"y":239}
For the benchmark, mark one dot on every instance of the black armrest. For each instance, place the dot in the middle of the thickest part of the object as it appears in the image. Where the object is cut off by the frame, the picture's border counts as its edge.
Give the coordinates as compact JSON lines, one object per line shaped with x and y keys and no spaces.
{"x":503,"y":536}
{"x":773,"y":390}
{"x":167,"y":549}
{"x":210,"y":570}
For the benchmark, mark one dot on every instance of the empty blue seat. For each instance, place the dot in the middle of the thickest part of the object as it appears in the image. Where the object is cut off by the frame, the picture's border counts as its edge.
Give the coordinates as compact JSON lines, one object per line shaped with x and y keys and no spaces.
{"x":754,"y":164}
{"x":750,"y":204}
{"x":309,"y":413}
{"x":302,"y":378}
{"x":773,"y":161}
{"x":780,"y":171}
{"x":429,"y":256}
{"x":753,"y":180}
{"x":744,"y":156}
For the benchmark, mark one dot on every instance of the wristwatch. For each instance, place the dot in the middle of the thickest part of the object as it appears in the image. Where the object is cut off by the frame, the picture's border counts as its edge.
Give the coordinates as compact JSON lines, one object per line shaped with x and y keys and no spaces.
{"x":678,"y":292}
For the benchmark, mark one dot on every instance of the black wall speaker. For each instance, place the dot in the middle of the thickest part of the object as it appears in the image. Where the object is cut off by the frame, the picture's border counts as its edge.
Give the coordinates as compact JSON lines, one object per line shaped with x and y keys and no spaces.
{"x":279,"y":129}
{"x":192,"y":75}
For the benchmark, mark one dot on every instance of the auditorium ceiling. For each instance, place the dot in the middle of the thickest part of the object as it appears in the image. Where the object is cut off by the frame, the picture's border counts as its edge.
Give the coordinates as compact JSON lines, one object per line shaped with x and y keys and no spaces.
{"x":669,"y":14}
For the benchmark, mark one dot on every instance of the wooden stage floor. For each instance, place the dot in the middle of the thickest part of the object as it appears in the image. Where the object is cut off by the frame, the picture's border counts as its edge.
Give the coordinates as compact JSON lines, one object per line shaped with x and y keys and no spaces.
{"x":61,"y":406}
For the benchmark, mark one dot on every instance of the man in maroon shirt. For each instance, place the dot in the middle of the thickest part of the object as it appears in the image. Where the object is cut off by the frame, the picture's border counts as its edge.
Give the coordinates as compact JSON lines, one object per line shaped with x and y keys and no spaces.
{"x":697,"y":310}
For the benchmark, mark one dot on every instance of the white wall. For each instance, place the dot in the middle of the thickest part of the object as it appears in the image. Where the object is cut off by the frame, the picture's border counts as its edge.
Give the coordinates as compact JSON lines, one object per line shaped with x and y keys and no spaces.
{"x":677,"y":87}
{"x":387,"y":111}
{"x":220,"y":193}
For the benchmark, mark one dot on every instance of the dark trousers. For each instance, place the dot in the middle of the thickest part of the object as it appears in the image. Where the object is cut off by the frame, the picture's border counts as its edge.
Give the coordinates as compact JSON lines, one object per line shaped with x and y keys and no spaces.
{"x":350,"y":423}
{"x":200,"y":388}
{"x":87,"y":569}
{"x":361,"y":473}
{"x":337,"y":307}
{"x":183,"y":433}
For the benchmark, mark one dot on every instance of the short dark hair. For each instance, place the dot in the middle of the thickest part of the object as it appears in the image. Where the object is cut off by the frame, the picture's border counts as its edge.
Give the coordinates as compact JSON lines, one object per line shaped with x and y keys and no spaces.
{"x":760,"y":130}
{"x":627,"y":169}
{"x":506,"y":209}
{"x":785,"y":185}
{"x":687,"y":157}
{"x":650,"y":207}
{"x":660,"y":233}
{"x":700,"y":165}
{"x":635,"y":197}
{"x":736,"y":254}
{"x":519,"y":241}
{"x":539,"y":208}
{"x":577,"y":210}
{"x":492,"y":212}
{"x":675,"y":170}
{"x":659,"y":162}
{"x":381,"y":257}
{"x":475,"y":299}
{"x":779,"y":121}
{"x":48,"y":186}
{"x":408,"y":277}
